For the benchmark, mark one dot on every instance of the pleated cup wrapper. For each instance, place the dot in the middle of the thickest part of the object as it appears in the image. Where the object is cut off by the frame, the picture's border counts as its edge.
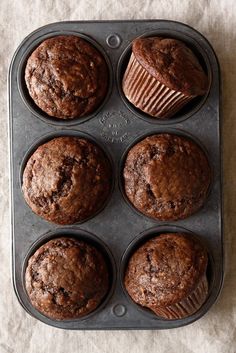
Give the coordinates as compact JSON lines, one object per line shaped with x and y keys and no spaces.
{"x":187,"y":306}
{"x":148,"y":94}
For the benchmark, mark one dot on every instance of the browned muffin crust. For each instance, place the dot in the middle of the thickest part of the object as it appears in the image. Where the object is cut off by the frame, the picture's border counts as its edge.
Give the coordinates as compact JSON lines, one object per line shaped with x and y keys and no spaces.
{"x":66,"y":278}
{"x":66,"y":180}
{"x":66,"y":77}
{"x":166,"y":176}
{"x":172,"y":63}
{"x":165,"y":270}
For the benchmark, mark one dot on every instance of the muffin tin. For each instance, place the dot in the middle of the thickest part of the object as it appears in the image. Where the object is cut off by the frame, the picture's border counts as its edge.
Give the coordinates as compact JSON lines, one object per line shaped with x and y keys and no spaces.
{"x":117,"y":229}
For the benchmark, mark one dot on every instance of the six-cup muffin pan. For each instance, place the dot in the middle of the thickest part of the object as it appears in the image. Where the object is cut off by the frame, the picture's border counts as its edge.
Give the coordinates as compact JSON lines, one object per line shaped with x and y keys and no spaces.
{"x":118,"y":229}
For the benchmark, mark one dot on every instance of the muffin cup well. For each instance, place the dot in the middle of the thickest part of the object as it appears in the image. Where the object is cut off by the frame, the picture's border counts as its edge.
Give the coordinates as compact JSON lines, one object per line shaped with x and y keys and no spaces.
{"x":87,"y":237}
{"x":144,"y":94}
{"x":141,"y":137}
{"x":196,"y":302}
{"x":68,"y":133}
{"x":32,"y":106}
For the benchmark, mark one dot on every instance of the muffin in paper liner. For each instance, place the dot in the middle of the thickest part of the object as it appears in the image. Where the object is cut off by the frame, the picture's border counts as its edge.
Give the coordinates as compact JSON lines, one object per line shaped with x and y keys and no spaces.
{"x":149,"y":94}
{"x":162,"y":76}
{"x":187,"y":306}
{"x":167,"y":274}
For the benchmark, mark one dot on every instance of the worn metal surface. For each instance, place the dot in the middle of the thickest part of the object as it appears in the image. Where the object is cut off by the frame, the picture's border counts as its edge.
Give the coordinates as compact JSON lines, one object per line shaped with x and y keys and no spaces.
{"x":116,"y":125}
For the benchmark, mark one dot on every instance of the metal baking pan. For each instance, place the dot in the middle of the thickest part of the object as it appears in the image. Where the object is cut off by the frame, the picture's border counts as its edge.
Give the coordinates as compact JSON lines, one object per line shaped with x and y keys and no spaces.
{"x":117,"y":229}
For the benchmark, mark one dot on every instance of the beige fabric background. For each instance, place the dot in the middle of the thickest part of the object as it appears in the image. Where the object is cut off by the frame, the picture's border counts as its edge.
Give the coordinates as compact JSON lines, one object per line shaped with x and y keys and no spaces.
{"x":216,"y":332}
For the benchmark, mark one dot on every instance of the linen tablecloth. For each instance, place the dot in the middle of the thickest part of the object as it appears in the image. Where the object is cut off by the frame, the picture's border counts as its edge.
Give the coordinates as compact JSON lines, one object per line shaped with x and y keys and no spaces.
{"x":216,"y":331}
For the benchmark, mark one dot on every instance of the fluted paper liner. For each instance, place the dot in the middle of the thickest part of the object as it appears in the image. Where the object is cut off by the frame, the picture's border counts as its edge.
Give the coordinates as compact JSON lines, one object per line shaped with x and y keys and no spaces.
{"x":187,"y":306}
{"x":148,"y":94}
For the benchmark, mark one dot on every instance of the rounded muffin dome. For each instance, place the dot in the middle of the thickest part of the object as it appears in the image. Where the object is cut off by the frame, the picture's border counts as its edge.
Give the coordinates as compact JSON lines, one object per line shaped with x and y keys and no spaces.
{"x":66,"y":77}
{"x":172,"y":63}
{"x":167,"y":274}
{"x":166,"y":177}
{"x":66,"y":278}
{"x":67,"y":180}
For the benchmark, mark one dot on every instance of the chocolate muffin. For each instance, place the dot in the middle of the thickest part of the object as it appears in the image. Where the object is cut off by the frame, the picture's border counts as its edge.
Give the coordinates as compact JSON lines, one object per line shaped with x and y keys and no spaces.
{"x":168,"y":275}
{"x":162,"y":76}
{"x":166,"y":176}
{"x":67,"y":180}
{"x":66,"y":278}
{"x":66,"y":77}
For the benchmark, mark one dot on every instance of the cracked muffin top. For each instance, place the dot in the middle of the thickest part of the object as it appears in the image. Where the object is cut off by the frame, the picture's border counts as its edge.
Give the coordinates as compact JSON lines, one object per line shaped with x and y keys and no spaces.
{"x":166,"y":176}
{"x":66,"y":77}
{"x":165,"y":269}
{"x":67,"y":180}
{"x":66,"y":278}
{"x":172,"y":63}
